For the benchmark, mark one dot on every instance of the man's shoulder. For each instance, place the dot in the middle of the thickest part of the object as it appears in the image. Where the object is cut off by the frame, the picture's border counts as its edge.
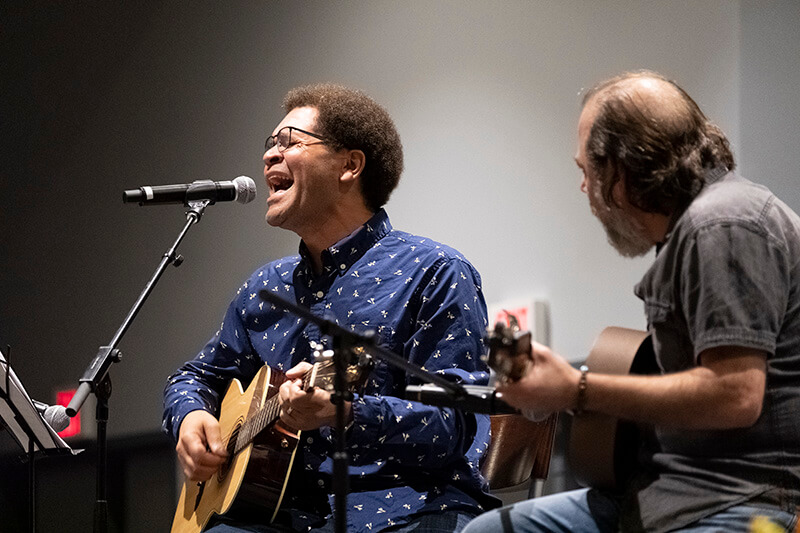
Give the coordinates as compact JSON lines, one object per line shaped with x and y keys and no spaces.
{"x":411,"y":243}
{"x":737,"y":204}
{"x":729,"y":201}
{"x":281,"y":268}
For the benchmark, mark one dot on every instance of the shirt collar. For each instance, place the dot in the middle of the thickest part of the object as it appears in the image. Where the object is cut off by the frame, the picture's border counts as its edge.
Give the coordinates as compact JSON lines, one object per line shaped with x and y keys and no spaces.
{"x":342,"y":255}
{"x":712,"y":175}
{"x":715,"y":174}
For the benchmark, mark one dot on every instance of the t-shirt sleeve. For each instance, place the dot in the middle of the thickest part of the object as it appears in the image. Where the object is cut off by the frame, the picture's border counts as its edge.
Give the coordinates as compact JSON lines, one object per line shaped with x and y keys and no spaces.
{"x":734,"y":286}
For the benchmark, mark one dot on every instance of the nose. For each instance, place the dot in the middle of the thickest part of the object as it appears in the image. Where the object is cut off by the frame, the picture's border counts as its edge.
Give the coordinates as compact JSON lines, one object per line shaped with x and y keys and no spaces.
{"x":272,"y":156}
{"x":584,"y":186}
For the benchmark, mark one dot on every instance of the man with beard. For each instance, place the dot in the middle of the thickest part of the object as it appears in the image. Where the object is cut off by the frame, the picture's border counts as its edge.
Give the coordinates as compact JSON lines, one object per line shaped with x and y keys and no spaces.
{"x":722,"y":301}
{"x":330,"y":166}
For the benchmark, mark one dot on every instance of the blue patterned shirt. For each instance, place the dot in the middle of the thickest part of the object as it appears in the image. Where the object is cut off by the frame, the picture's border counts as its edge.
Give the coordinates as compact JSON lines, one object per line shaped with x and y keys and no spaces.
{"x":423,"y":300}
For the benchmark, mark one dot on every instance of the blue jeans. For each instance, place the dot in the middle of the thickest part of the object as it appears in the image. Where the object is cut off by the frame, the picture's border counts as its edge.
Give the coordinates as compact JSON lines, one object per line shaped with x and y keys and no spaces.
{"x":447,"y":522}
{"x":592,"y":511}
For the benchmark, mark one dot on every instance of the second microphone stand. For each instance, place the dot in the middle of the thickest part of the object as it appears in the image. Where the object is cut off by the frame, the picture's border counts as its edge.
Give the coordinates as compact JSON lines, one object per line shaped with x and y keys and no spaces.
{"x":344,"y":344}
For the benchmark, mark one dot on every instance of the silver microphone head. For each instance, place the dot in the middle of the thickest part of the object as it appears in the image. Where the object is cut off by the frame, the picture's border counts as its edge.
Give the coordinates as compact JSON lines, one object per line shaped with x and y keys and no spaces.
{"x":245,"y":189}
{"x":56,"y":416}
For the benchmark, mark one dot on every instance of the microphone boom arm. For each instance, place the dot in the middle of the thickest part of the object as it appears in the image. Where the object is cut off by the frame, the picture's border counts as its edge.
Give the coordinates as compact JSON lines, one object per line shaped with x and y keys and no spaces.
{"x":344,"y":341}
{"x":328,"y":327}
{"x":98,"y":368}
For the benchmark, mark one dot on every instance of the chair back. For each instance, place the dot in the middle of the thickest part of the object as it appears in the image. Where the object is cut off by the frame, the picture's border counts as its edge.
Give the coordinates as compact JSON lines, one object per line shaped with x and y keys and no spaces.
{"x":519,"y":449}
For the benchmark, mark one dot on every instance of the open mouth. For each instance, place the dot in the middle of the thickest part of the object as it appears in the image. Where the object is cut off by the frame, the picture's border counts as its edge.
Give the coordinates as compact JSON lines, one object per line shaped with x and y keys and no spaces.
{"x":279,"y":183}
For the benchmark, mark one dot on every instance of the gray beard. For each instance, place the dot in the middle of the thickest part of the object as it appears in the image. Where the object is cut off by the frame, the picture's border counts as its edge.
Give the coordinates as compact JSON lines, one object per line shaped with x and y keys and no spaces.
{"x":624,"y":233}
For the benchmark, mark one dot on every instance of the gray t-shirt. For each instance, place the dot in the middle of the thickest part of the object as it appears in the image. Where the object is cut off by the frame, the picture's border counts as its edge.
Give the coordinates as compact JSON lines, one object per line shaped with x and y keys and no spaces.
{"x":728,"y":275}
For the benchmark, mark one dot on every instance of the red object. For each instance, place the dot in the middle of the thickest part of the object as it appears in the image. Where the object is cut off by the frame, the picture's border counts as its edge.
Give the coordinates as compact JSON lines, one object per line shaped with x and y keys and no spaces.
{"x":521,"y":313}
{"x":74,"y":427}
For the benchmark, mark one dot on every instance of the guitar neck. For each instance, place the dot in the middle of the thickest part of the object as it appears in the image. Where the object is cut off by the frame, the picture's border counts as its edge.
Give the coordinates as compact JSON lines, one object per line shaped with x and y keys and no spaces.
{"x":266,"y":415}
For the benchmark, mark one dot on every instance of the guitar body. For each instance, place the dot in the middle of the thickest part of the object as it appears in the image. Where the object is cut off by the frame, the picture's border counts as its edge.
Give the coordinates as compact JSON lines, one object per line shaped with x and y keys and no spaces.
{"x":255,"y":476}
{"x":603,"y":450}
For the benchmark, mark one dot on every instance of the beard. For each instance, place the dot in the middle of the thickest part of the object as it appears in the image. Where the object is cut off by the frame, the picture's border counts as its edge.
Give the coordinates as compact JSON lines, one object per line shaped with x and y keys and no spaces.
{"x":627,"y":235}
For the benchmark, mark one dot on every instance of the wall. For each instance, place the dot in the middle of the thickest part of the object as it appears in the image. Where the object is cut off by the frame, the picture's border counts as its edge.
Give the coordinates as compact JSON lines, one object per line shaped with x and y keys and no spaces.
{"x":140,"y":488}
{"x":770,"y":92}
{"x":99,"y":98}
{"x":486,"y":98}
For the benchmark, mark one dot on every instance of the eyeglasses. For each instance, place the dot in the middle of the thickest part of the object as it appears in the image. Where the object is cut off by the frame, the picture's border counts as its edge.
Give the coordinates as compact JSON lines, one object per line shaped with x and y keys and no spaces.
{"x":284,"y":139}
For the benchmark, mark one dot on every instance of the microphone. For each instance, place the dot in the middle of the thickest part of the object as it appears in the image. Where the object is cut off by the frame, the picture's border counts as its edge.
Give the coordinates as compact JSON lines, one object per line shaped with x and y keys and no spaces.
{"x":479,"y":399}
{"x":242,"y":189}
{"x":55,"y":415}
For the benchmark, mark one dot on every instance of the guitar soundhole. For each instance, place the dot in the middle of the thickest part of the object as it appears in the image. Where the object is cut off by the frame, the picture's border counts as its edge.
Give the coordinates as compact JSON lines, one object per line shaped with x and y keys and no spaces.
{"x":222,"y":473}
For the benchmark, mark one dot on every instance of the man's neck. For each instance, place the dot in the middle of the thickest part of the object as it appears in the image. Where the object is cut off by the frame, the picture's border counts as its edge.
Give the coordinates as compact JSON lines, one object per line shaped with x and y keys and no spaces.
{"x":334,"y":229}
{"x":657,"y":225}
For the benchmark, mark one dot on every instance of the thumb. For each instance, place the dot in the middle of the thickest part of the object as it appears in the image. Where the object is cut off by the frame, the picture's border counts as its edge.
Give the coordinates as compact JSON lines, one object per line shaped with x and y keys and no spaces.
{"x":213,"y":439}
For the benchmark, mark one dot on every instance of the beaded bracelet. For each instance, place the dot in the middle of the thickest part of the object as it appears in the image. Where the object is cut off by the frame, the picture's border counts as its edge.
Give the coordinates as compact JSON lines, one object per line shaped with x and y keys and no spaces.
{"x":581,"y":403}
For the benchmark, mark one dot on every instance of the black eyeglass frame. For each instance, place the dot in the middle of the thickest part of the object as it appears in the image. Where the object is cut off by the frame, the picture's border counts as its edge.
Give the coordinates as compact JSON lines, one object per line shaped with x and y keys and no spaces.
{"x":274,"y":139}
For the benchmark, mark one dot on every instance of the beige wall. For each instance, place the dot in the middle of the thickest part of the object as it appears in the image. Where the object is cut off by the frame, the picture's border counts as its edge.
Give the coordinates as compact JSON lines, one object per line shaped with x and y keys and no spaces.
{"x":485,"y":95}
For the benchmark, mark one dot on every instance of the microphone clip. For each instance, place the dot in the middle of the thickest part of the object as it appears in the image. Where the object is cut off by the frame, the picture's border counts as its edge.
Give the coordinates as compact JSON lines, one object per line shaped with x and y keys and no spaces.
{"x":196,"y":208}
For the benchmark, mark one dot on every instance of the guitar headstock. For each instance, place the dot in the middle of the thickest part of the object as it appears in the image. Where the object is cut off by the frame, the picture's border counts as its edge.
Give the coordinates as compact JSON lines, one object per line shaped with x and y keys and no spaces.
{"x":323,"y":374}
{"x":509,"y":350}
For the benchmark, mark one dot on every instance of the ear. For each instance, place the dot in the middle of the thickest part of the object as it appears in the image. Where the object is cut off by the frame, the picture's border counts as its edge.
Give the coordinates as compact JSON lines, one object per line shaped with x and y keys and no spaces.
{"x":353,"y":166}
{"x":619,"y":192}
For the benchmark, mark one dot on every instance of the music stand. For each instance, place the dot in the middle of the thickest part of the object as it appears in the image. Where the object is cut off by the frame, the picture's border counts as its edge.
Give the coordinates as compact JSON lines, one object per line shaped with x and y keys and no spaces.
{"x":28,"y":428}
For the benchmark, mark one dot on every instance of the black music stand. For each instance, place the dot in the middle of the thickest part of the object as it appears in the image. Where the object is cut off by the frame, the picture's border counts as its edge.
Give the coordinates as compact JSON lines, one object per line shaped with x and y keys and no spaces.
{"x":28,"y":428}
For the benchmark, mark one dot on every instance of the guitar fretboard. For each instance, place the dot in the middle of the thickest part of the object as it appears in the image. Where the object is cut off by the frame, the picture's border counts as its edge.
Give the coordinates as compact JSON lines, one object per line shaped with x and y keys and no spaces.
{"x":270,"y":412}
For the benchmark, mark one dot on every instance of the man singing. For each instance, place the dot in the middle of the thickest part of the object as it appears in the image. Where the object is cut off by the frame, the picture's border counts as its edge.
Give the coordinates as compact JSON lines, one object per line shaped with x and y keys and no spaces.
{"x":330,"y":166}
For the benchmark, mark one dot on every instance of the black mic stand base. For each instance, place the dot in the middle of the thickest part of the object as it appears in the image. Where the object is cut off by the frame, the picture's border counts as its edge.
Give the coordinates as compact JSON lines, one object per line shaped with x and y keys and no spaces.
{"x":102,"y":393}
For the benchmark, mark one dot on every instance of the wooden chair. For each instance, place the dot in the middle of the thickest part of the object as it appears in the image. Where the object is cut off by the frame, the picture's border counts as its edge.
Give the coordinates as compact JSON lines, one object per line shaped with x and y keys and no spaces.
{"x":520,"y":450}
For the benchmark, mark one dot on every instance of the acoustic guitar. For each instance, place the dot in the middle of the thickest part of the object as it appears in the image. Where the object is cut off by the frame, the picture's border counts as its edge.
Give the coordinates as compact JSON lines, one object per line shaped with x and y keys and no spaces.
{"x":261,"y":450}
{"x":603,"y":450}
{"x":509,"y":350}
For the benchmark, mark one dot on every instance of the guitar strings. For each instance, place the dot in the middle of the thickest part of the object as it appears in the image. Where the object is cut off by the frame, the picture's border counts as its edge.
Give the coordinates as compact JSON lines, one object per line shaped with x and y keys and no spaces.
{"x":266,"y":415}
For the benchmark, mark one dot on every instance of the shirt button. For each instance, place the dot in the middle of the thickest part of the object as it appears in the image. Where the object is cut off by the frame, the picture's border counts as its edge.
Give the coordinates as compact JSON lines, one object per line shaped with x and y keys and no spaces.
{"x":310,"y":440}
{"x":320,"y":294}
{"x":343,"y":266}
{"x":320,"y":483}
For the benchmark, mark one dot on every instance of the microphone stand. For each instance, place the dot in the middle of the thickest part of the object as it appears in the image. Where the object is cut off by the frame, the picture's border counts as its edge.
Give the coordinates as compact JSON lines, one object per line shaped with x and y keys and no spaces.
{"x":344,"y":342}
{"x":96,"y":379}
